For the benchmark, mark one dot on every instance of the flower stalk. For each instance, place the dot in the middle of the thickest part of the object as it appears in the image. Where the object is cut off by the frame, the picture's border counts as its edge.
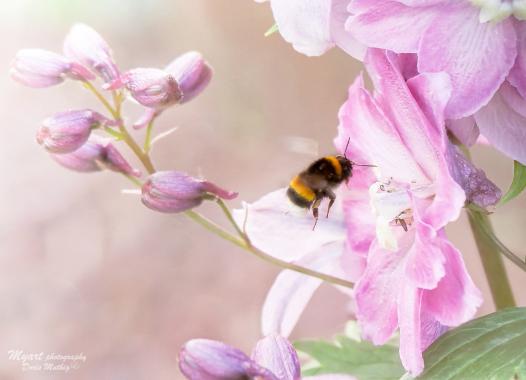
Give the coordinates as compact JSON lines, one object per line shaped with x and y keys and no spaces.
{"x":491,"y":260}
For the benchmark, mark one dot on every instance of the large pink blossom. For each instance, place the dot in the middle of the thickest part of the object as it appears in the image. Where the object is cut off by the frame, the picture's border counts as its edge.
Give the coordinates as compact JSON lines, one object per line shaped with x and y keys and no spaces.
{"x":414,"y":280}
{"x":480,"y":44}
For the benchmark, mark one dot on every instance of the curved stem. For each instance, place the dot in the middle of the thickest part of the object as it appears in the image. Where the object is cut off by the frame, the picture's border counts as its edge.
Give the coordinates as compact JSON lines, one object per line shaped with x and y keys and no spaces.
{"x":491,"y":260}
{"x":102,"y":99}
{"x":244,"y":243}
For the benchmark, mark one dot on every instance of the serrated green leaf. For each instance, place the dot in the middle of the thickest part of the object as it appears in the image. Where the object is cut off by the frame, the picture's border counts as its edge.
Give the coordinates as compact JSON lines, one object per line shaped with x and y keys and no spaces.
{"x":491,"y":347}
{"x":518,"y":184}
{"x":273,"y":29}
{"x":347,"y":356}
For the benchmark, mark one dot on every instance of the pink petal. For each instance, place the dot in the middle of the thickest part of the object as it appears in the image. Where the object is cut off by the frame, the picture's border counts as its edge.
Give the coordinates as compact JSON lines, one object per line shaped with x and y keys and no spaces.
{"x":456,"y":298}
{"x":409,"y":306}
{"x":376,"y":296}
{"x":292,"y":291}
{"x":331,"y":377}
{"x":432,"y":92}
{"x":373,"y":138}
{"x":389,"y":24}
{"x":465,"y":130}
{"x":477,"y":56}
{"x":503,"y":127}
{"x":273,"y":219}
{"x":305,"y":24}
{"x":513,"y":98}
{"x":517,"y":75}
{"x":430,"y":328}
{"x":424,"y":262}
{"x":415,"y":130}
{"x":343,"y":39}
{"x":279,"y":356}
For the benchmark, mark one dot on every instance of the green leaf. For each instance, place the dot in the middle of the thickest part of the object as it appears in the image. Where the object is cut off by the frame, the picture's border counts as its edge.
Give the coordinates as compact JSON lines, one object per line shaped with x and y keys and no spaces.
{"x":348,"y":356}
{"x":273,"y":29}
{"x":491,"y":347}
{"x":518,"y":184}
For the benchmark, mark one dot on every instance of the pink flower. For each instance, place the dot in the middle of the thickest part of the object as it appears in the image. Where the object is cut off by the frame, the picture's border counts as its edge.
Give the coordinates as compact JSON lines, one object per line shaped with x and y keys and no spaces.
{"x":478,"y":43}
{"x":315,"y":26}
{"x":191,"y":73}
{"x":173,"y":191}
{"x":388,"y":236}
{"x":42,"y":68}
{"x":65,"y":132}
{"x":151,"y":87}
{"x":96,"y":154}
{"x":273,"y":358}
{"x":83,"y":44}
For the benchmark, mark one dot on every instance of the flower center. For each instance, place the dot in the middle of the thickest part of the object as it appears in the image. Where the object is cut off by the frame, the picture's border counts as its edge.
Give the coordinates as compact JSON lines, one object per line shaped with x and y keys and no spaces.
{"x":393,"y":208}
{"x":498,"y":10}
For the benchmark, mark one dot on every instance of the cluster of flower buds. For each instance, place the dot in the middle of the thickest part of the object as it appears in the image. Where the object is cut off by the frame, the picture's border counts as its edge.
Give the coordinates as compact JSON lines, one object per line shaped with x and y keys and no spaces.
{"x":68,"y":136}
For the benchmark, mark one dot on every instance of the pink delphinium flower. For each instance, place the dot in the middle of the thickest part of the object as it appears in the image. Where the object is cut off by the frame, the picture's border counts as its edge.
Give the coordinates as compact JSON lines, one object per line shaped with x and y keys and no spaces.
{"x":41,"y":68}
{"x":65,"y":132}
{"x":151,"y":87}
{"x":273,"y":358}
{"x":191,"y":73}
{"x":98,"y":153}
{"x":413,"y":279}
{"x":83,"y":44}
{"x":173,"y":191}
{"x":480,"y":44}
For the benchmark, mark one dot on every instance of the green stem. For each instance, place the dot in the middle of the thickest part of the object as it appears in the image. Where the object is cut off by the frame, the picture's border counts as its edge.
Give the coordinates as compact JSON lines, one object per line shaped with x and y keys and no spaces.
{"x":148,"y":137}
{"x":103,"y":100}
{"x":491,"y":261}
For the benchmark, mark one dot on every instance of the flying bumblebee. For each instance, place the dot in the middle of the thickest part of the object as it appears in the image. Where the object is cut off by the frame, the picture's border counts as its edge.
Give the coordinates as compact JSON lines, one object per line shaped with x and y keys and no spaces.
{"x":317,"y":182}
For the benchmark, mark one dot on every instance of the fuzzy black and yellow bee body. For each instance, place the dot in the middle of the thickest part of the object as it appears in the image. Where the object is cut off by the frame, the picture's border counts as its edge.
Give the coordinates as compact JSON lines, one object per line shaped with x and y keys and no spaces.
{"x":318,"y":181}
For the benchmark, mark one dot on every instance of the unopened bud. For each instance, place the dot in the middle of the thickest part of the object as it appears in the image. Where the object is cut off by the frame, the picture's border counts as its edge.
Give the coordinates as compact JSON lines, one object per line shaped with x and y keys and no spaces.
{"x":41,"y":68}
{"x":209,"y":359}
{"x":96,"y":154}
{"x":173,"y":191}
{"x":153,"y":88}
{"x":85,"y":45}
{"x":192,"y":73}
{"x":67,"y":131}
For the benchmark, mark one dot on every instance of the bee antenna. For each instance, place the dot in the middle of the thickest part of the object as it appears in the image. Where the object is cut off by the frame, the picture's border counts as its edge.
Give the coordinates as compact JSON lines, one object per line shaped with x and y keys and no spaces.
{"x":368,"y":165}
{"x":346,"y":146}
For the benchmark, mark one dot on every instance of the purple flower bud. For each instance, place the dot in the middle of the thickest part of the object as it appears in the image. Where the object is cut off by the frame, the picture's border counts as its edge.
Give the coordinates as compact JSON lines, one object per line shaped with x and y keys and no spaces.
{"x":173,"y":191}
{"x":479,"y":189}
{"x":67,"y":131}
{"x":203,"y":359}
{"x":279,"y":356}
{"x":153,"y":88}
{"x":96,"y":154}
{"x":41,"y":68}
{"x":192,"y":73}
{"x":85,"y":45}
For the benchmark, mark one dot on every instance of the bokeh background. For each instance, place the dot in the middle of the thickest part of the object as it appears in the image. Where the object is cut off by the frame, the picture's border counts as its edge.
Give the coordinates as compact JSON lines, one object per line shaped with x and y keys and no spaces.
{"x":86,"y":269}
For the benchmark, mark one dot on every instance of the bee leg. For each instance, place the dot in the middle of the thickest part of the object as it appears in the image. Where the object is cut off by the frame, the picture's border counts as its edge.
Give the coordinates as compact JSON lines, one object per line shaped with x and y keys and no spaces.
{"x":330,"y":194}
{"x":315,"y":207}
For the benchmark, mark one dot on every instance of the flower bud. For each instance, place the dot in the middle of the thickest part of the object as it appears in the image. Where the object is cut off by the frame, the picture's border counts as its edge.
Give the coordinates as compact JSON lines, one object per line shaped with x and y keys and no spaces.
{"x":209,"y":359}
{"x":96,"y":154}
{"x":173,"y":191}
{"x":41,"y":68}
{"x":153,"y":88}
{"x":85,"y":45}
{"x":192,"y":73}
{"x":67,"y":131}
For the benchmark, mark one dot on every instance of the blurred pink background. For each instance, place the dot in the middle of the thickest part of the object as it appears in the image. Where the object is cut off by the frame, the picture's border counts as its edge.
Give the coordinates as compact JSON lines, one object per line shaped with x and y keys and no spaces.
{"x":86,"y":269}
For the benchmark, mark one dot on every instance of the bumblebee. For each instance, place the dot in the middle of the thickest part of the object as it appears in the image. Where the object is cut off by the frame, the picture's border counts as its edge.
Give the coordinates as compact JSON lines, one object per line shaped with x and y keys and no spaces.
{"x":318,"y":181}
